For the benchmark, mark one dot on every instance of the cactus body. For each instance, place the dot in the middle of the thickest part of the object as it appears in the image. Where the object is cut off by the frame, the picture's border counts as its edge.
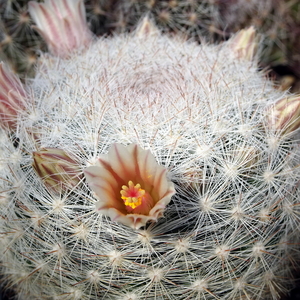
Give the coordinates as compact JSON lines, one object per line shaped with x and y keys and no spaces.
{"x":232,"y":228}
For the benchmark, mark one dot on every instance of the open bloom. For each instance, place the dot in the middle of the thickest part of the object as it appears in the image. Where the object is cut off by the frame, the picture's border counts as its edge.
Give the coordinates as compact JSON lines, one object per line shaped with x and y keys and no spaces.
{"x":131,"y":187}
{"x":284,"y":115}
{"x":12,"y":97}
{"x":62,"y":24}
{"x":56,"y":168}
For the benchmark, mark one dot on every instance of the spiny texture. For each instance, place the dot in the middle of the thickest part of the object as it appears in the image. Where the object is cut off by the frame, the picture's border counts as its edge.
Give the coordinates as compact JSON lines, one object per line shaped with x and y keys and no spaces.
{"x":215,"y":20}
{"x":231,"y":231}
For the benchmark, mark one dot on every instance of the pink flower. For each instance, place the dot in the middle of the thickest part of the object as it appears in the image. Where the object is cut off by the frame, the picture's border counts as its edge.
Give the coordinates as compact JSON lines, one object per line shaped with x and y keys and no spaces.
{"x":12,"y":97}
{"x":131,"y":187}
{"x":62,"y":24}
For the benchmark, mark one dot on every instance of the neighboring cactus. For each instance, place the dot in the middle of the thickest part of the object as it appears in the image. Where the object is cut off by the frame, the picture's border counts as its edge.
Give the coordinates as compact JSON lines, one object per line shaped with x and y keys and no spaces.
{"x":19,"y":43}
{"x":200,"y":118}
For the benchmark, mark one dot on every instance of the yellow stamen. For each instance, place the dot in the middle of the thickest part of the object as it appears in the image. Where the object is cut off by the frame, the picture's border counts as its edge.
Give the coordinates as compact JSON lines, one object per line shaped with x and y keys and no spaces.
{"x":132,"y":195}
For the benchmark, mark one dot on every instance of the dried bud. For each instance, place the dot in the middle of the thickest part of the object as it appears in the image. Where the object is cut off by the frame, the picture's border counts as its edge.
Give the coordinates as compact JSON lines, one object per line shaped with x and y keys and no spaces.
{"x":284,"y":115}
{"x":62,"y":24}
{"x":131,"y":187}
{"x":12,"y":97}
{"x":244,"y":44}
{"x":56,"y":168}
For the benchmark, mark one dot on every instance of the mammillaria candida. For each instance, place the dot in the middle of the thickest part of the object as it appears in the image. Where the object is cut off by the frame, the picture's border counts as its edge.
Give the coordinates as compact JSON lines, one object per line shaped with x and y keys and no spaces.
{"x":117,"y":110}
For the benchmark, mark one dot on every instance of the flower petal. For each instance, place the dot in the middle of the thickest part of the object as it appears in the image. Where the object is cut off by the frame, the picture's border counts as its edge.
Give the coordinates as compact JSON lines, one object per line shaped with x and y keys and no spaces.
{"x":105,"y":187}
{"x":121,"y":161}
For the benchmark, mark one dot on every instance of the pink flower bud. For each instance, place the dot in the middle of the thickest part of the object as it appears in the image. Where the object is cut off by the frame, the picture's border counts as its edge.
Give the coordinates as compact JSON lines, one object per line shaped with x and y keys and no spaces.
{"x":284,"y":115}
{"x":131,"y":187}
{"x":62,"y":24}
{"x":12,"y":97}
{"x":244,"y":44}
{"x":56,"y":168}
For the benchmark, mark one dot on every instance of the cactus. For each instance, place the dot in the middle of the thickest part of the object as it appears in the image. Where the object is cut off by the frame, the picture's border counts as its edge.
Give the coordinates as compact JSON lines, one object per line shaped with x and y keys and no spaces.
{"x":144,"y":166}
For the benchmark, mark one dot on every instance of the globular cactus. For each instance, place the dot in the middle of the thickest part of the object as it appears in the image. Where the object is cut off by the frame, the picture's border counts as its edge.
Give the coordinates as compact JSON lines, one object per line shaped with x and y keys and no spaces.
{"x":146,"y":167}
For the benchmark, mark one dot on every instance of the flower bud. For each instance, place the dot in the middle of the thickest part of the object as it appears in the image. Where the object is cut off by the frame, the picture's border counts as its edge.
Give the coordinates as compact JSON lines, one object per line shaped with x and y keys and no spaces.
{"x":62,"y":24}
{"x":284,"y":115}
{"x":244,"y":44}
{"x":56,"y":168}
{"x":146,"y":28}
{"x":12,"y":97}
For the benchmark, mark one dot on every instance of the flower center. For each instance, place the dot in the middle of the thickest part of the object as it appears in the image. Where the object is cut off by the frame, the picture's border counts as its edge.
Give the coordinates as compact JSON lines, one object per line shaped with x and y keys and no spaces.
{"x":132,"y":195}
